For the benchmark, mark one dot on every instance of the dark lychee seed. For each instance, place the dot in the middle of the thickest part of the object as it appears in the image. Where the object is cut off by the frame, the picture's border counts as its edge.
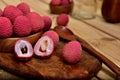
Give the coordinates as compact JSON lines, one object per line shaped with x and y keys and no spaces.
{"x":24,"y":49}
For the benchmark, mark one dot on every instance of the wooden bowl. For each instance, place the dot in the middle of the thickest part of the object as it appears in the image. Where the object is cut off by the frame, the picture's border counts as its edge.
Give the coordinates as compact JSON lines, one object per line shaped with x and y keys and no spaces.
{"x":7,"y":44}
{"x":61,"y":9}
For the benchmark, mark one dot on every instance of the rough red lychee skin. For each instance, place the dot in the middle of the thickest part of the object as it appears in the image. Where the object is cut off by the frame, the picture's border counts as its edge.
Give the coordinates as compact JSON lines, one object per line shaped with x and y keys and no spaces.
{"x":65,"y":2}
{"x":47,"y":22}
{"x":44,"y":47}
{"x":24,"y":7}
{"x":36,"y":21}
{"x":1,"y":13}
{"x":22,"y":26}
{"x":11,"y":12}
{"x":21,"y":43}
{"x":55,"y":2}
{"x":52,"y":34}
{"x":71,"y":52}
{"x":62,"y":19}
{"x":5,"y":28}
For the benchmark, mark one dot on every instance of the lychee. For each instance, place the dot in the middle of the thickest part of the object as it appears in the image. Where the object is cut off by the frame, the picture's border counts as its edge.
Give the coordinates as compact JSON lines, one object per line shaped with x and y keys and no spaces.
{"x":24,"y":7}
{"x":55,"y":2}
{"x":36,"y":21}
{"x":44,"y":47}
{"x":52,"y":34}
{"x":65,"y":2}
{"x":11,"y":12}
{"x":23,"y":49}
{"x":1,"y":13}
{"x":47,"y":23}
{"x":5,"y":28}
{"x":22,"y":26}
{"x":62,"y":19}
{"x":71,"y":52}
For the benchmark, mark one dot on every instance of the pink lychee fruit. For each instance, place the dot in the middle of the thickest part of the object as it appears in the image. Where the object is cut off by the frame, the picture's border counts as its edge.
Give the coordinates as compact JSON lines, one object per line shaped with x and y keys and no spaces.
{"x":11,"y":12}
{"x":65,"y":2}
{"x":55,"y":2}
{"x":71,"y":52}
{"x":24,"y":7}
{"x":23,"y":50}
{"x":22,"y":26}
{"x":47,"y":23}
{"x":36,"y":21}
{"x":1,"y":13}
{"x":62,"y":19}
{"x":44,"y":47}
{"x":52,"y":34}
{"x":5,"y":27}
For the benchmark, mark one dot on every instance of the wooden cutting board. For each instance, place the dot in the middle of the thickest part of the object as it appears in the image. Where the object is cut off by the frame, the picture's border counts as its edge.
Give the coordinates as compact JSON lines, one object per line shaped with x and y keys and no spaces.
{"x":53,"y":67}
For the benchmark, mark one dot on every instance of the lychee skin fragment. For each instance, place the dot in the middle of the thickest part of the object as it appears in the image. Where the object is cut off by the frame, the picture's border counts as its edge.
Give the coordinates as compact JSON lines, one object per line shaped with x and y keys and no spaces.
{"x":62,"y":19}
{"x":24,"y":8}
{"x":12,"y":12}
{"x":23,"y":50}
{"x":5,"y":28}
{"x":36,"y":21}
{"x":71,"y":52}
{"x":44,"y":47}
{"x":55,"y":2}
{"x":52,"y":34}
{"x":22,"y":26}
{"x":47,"y":23}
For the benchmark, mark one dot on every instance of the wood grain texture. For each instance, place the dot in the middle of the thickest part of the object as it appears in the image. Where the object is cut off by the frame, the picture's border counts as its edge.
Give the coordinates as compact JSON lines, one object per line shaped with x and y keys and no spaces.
{"x":7,"y":44}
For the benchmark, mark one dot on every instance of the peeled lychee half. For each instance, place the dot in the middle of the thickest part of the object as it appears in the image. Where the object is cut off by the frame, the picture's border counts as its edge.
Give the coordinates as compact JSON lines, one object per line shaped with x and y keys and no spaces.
{"x":71,"y":52}
{"x":62,"y":19}
{"x":53,"y":35}
{"x":44,"y":47}
{"x":47,"y":23}
{"x":23,"y":49}
{"x":36,"y":21}
{"x":5,"y":28}
{"x":24,"y":7}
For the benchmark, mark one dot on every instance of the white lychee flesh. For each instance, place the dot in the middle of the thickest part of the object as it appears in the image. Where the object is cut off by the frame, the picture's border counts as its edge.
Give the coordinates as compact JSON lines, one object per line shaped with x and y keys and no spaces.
{"x":23,"y":49}
{"x":44,"y":47}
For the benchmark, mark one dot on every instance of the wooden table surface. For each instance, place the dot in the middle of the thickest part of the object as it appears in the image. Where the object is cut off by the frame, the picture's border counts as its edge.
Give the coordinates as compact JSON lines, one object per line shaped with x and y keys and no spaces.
{"x":103,"y":36}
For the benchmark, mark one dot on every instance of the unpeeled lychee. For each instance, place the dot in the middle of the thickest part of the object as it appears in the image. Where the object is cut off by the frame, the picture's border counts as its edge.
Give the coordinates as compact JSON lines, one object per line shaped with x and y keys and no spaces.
{"x":52,"y":34}
{"x":5,"y":28}
{"x":36,"y":21}
{"x":22,"y":26}
{"x":44,"y":47}
{"x":11,"y":12}
{"x":62,"y":19}
{"x":65,"y":2}
{"x":55,"y":2}
{"x":23,"y":49}
{"x":24,"y":8}
{"x":47,"y":23}
{"x":71,"y":52}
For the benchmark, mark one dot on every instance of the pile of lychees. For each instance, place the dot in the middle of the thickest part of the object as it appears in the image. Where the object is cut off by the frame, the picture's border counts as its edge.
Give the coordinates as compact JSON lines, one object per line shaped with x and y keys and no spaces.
{"x":21,"y":21}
